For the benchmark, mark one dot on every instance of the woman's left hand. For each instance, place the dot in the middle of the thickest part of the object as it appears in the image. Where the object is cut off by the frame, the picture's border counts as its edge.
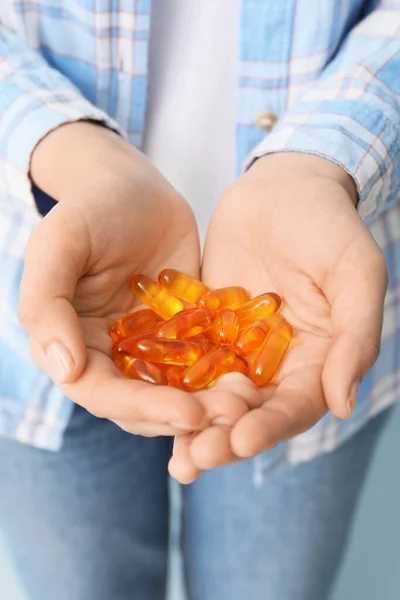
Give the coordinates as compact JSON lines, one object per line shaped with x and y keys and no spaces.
{"x":290,"y":226}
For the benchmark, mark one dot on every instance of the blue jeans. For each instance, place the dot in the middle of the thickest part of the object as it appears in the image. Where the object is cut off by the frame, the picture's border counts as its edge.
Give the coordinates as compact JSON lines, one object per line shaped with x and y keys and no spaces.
{"x":91,"y":522}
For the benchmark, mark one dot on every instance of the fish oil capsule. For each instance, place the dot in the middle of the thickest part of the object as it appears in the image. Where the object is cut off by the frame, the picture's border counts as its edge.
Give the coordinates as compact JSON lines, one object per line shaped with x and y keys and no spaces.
{"x":226,"y":326}
{"x":205,"y":344}
{"x":140,"y":321}
{"x":258,"y":308}
{"x":128,"y":345}
{"x":251,"y":339}
{"x":217,"y":362}
{"x":182,"y":286}
{"x":174,"y":375}
{"x":172,"y":352}
{"x":228,"y":297}
{"x":135,"y":368}
{"x":157,"y":298}
{"x":186,"y":324}
{"x":269,"y":357}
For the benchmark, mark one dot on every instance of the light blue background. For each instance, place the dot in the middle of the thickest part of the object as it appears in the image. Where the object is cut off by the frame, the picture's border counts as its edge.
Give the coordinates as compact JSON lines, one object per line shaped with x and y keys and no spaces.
{"x":371,"y":568}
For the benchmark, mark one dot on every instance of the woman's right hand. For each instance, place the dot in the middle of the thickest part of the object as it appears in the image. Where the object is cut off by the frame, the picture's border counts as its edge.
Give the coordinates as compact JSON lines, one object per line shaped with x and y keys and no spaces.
{"x":116,"y":216}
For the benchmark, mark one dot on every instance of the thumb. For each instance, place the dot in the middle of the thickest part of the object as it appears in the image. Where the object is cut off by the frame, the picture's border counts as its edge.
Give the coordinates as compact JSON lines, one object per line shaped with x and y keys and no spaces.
{"x":357,"y":297}
{"x":56,"y":254}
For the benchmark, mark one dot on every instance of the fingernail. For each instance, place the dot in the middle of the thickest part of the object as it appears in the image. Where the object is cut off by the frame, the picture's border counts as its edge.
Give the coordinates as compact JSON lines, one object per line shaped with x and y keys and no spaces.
{"x":60,"y":362}
{"x":353,"y":395}
{"x":222,"y":421}
{"x":173,"y":447}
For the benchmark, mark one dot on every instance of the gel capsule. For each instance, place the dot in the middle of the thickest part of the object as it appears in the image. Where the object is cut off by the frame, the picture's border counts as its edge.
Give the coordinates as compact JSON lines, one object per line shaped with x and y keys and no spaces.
{"x":251,"y":339}
{"x":172,"y":352}
{"x":135,"y":368}
{"x":141,"y":321}
{"x":205,"y":344}
{"x":269,"y":357}
{"x":157,"y":298}
{"x":174,"y":375}
{"x":128,"y":345}
{"x":217,"y":362}
{"x":228,"y":297}
{"x":226,"y":326}
{"x":258,"y":308}
{"x":187,"y":324}
{"x":183,"y":286}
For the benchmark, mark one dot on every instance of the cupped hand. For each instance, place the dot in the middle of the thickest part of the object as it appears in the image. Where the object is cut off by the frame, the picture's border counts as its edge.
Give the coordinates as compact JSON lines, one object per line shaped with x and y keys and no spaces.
{"x":116,"y":216}
{"x":290,"y":226}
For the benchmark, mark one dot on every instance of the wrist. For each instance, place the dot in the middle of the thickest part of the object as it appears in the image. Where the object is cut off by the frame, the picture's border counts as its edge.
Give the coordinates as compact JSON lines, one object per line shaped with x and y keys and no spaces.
{"x":69,"y":154}
{"x":302,"y":166}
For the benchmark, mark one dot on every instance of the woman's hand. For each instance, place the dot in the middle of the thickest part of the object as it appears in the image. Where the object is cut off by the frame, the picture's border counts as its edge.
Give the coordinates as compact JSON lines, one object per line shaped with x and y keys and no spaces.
{"x":116,"y":216}
{"x":289,"y":225}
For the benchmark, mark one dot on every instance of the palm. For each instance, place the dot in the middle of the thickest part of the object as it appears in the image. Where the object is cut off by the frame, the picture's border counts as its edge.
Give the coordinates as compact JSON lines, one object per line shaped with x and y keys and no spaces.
{"x":103,"y":293}
{"x":304,"y":307}
{"x":247,"y":252}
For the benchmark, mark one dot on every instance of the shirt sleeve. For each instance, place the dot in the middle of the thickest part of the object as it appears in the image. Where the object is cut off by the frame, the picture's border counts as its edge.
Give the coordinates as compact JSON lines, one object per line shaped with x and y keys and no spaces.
{"x":34,"y":99}
{"x":351,"y":114}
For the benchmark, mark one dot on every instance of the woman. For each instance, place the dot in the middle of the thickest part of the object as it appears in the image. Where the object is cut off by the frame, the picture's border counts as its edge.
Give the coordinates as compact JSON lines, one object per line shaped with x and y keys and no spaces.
{"x":90,"y":519}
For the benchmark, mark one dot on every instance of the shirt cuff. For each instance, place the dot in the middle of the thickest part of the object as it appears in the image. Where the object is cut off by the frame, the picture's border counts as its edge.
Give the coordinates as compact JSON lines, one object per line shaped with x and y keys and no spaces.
{"x":29,"y":116}
{"x":355,"y":136}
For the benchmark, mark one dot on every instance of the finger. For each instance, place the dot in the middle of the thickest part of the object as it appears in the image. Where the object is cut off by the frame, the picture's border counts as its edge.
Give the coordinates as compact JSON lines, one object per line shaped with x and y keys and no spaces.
{"x":104,"y":392}
{"x":357,"y":297}
{"x":148,"y":429}
{"x":229,"y":399}
{"x":225,"y":403}
{"x":296,"y":406}
{"x":56,"y":254}
{"x":181,"y":466}
{"x":212,"y":448}
{"x":242,"y":387}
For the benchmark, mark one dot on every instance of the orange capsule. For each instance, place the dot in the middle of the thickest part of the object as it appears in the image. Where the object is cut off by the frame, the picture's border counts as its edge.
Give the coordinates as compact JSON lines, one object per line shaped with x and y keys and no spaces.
{"x":226,"y":326}
{"x":205,"y":344}
{"x":269,"y":357}
{"x":135,"y":323}
{"x":187,"y":324}
{"x":182,"y":286}
{"x":172,"y":352}
{"x":228,"y":297}
{"x":174,"y":375}
{"x":217,"y":362}
{"x":128,"y":345}
{"x":135,"y":368}
{"x":157,"y":298}
{"x":258,"y":308}
{"x":251,"y":339}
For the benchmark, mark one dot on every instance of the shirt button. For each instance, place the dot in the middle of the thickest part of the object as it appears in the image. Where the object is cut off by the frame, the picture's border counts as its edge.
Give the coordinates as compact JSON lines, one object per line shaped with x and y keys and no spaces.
{"x":266,"y":121}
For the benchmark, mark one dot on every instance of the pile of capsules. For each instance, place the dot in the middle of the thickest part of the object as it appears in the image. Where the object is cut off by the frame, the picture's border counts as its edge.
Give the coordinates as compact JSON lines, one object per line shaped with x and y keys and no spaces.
{"x":190,"y":335}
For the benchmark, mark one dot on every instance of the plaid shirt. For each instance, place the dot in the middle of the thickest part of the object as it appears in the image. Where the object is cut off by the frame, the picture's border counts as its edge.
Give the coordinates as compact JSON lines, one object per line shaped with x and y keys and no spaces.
{"x":328,"y":69}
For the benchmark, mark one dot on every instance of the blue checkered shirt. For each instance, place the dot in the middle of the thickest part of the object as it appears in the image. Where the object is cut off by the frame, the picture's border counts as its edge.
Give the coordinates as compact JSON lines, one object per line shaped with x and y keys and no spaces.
{"x":328,"y":69}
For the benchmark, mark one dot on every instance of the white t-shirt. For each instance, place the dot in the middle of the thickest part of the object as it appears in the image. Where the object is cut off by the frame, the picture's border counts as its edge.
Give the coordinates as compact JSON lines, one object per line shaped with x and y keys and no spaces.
{"x":190,"y":126}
